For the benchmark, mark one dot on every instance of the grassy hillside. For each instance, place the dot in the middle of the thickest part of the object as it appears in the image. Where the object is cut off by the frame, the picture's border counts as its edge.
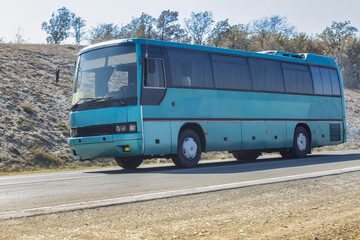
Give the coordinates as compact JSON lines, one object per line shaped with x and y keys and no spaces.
{"x":34,"y":110}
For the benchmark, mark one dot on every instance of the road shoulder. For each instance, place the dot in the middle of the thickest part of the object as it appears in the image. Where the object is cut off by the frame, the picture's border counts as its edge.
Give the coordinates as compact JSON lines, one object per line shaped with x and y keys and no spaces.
{"x":323,"y":208}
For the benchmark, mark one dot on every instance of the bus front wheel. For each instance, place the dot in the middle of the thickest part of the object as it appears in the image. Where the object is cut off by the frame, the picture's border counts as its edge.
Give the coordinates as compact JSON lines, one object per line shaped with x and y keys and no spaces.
{"x":301,"y":144}
{"x":189,"y":149}
{"x":129,"y":163}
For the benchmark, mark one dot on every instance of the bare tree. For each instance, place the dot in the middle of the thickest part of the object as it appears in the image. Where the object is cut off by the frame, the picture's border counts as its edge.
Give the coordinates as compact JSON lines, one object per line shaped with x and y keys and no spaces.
{"x":19,"y":36}
{"x":273,"y":25}
{"x":199,"y":25}
{"x":166,"y":25}
{"x":78,"y":25}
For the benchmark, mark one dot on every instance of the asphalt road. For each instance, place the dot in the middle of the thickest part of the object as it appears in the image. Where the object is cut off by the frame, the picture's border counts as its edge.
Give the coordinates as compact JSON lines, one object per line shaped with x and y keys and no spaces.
{"x":33,"y":194}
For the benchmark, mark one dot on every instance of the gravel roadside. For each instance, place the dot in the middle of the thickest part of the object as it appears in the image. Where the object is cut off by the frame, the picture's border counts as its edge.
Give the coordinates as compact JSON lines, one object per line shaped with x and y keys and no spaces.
{"x":319,"y":208}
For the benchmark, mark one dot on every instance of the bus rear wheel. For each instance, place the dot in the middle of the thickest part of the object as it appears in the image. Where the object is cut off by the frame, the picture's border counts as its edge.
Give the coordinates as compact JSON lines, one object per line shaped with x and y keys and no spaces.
{"x":301,"y":143}
{"x":246,"y":156}
{"x":189,"y":149}
{"x":129,"y":163}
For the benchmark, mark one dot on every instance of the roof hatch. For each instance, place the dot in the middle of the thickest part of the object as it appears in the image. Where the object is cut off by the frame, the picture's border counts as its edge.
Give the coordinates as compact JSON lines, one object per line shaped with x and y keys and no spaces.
{"x":284,"y":54}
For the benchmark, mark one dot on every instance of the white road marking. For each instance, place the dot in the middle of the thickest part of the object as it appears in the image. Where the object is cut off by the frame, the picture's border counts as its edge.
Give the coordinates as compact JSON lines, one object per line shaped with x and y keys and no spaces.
{"x":166,"y":194}
{"x":45,"y":180}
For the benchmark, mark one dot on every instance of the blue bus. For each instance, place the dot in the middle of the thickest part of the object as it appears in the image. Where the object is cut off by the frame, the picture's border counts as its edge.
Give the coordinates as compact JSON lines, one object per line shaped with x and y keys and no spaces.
{"x":136,"y":99}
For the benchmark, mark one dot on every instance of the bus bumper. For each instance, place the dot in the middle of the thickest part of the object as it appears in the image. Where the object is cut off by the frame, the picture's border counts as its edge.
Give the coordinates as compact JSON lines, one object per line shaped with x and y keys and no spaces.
{"x":119,"y":145}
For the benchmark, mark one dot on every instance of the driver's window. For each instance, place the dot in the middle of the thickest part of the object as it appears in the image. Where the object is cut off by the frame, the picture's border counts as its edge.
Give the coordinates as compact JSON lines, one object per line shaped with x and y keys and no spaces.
{"x":154,"y":74}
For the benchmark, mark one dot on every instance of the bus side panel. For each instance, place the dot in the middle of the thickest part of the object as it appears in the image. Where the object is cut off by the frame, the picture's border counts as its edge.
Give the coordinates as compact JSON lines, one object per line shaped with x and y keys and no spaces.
{"x":315,"y":133}
{"x":175,"y":128}
{"x":253,"y":135}
{"x":223,"y":136}
{"x":207,"y":104}
{"x":290,"y":130}
{"x":344,"y":131}
{"x":342,"y":135}
{"x":157,"y":138}
{"x":322,"y":135}
{"x":212,"y":106}
{"x":275,"y":136}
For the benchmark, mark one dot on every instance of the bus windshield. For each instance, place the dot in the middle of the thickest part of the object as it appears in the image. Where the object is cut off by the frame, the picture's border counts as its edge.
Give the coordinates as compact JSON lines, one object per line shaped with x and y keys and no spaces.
{"x":106,"y":74}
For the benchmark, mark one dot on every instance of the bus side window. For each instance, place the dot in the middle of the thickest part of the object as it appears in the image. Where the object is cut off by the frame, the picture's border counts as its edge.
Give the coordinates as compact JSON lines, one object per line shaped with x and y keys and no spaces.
{"x":185,"y":74}
{"x":297,"y":78}
{"x":326,"y":81}
{"x":154,"y":73}
{"x":266,"y":75}
{"x":318,"y":85}
{"x":335,"y":83}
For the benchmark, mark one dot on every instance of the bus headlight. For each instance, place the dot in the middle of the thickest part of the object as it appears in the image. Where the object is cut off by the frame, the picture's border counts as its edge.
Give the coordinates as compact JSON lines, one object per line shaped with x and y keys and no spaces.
{"x":121,"y":128}
{"x":132,"y":127}
{"x":73,"y":132}
{"x":125,"y":127}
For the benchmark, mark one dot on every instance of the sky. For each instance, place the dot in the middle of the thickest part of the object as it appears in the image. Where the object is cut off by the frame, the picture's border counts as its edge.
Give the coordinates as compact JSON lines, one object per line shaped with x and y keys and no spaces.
{"x":309,"y":16}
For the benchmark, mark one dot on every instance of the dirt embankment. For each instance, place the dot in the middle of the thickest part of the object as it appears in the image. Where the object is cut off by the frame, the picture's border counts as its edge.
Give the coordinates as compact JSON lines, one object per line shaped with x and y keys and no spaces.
{"x":34,"y":109}
{"x":352,"y":103}
{"x":320,"y":208}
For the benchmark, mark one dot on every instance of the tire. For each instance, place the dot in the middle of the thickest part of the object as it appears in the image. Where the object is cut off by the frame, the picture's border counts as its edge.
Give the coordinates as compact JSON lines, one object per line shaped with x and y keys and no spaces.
{"x":286,"y":154}
{"x":129,"y":163}
{"x":189,"y":149}
{"x":301,"y":143}
{"x":246,"y":156}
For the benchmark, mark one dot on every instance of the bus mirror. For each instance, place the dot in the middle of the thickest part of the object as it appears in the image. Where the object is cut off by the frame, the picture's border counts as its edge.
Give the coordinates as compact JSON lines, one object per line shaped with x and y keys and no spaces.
{"x":57,"y":75}
{"x":151,"y":63}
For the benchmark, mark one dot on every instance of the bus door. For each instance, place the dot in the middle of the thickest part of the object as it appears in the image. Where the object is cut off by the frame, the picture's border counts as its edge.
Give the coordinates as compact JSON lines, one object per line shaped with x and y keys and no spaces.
{"x":153,"y":76}
{"x":157,"y":133}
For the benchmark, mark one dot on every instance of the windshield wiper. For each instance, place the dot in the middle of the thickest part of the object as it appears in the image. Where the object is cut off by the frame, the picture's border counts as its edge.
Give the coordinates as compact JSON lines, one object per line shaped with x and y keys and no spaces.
{"x":88,"y":100}
{"x":78,"y":102}
{"x":98,"y":99}
{"x":122,"y":102}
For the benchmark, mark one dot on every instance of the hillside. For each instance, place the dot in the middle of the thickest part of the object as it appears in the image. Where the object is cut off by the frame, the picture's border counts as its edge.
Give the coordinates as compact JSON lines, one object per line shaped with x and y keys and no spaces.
{"x":34,"y":110}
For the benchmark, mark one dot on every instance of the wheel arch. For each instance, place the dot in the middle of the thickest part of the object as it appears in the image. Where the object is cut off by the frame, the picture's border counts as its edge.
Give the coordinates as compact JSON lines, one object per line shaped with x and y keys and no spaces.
{"x":199,"y":131}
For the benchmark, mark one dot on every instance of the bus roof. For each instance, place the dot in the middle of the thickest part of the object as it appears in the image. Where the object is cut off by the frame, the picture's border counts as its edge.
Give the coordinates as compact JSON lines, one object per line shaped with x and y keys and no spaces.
{"x":308,"y":58}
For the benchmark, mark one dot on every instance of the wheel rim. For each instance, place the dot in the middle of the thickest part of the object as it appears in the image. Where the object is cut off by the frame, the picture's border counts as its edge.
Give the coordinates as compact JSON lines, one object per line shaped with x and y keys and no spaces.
{"x":301,"y":142}
{"x":189,"y":148}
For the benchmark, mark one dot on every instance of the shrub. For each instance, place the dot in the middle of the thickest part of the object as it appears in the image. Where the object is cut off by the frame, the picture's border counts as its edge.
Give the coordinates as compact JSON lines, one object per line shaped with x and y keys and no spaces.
{"x":43,"y":159}
{"x":28,"y":108}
